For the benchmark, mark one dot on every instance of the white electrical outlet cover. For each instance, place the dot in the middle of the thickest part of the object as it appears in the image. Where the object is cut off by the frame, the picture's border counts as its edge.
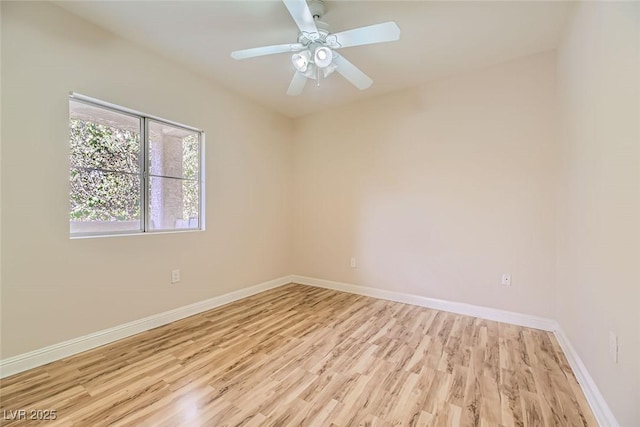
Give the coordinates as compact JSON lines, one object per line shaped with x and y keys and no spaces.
{"x":175,"y":276}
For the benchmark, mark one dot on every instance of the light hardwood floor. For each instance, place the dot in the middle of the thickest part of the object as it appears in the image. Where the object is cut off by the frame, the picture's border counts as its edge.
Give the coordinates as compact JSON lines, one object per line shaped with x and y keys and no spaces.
{"x":299,"y":355}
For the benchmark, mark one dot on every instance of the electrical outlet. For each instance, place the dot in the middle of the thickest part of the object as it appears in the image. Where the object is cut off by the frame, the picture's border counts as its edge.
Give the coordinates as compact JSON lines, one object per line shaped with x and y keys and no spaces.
{"x":175,"y":276}
{"x":506,"y":279}
{"x":613,"y":347}
{"x":354,"y":264}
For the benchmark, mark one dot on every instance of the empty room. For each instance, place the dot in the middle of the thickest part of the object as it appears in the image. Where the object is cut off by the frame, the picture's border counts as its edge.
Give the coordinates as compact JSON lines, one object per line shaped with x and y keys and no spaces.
{"x":320,"y":213}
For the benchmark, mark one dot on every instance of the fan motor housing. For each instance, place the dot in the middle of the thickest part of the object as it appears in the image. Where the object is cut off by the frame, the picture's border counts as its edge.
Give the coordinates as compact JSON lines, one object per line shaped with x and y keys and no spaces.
{"x":323,"y":30}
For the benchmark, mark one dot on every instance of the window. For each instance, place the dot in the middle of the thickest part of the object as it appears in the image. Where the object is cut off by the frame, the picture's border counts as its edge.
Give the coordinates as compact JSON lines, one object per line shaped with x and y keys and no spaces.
{"x":132,"y":173}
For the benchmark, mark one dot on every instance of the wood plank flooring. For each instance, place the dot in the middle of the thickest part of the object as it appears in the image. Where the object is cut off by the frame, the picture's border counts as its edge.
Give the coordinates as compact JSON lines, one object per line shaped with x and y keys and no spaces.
{"x":300,"y":355}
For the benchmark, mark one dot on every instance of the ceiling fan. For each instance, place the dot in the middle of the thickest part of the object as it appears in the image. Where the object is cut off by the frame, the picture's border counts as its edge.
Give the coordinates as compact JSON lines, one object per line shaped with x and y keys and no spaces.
{"x":314,"y":55}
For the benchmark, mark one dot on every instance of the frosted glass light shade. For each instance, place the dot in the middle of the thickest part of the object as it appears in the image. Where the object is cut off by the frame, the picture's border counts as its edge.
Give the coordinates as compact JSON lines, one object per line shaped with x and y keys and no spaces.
{"x":323,"y":56}
{"x":300,"y":60}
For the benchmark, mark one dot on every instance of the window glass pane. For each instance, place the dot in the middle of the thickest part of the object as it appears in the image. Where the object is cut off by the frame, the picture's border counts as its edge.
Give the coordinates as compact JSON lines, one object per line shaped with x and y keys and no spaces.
{"x":103,"y":202}
{"x":173,"y":203}
{"x":103,"y":139}
{"x":105,"y":173}
{"x":173,"y":151}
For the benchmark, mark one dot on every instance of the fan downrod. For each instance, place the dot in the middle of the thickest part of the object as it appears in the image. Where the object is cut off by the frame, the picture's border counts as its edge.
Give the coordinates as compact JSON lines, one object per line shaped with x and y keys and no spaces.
{"x":317,"y":8}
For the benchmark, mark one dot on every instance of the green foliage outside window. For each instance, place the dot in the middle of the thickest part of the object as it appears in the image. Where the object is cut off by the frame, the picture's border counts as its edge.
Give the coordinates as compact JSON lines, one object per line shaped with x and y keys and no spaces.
{"x":190,"y":156}
{"x":105,"y":172}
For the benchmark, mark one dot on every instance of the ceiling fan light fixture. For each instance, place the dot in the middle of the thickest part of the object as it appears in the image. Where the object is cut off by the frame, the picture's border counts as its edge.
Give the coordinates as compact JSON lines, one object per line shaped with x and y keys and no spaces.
{"x":323,"y":56}
{"x":316,"y":54}
{"x":301,"y":60}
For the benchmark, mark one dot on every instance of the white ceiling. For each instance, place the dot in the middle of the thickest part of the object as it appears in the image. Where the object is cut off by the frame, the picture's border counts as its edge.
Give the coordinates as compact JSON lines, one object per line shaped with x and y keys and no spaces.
{"x":437,"y":39}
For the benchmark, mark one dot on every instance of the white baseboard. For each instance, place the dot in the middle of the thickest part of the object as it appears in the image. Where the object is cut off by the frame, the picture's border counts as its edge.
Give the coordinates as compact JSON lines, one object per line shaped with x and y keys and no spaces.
{"x":437,"y":304}
{"x":599,"y":406}
{"x":32,"y":359}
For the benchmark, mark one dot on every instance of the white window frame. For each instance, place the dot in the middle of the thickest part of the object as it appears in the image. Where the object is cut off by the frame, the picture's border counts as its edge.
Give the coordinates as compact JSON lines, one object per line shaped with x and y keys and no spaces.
{"x":145,"y":227}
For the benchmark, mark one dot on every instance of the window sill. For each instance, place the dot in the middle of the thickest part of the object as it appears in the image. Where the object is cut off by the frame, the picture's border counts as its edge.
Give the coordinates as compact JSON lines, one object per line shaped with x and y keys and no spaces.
{"x":133,"y":233}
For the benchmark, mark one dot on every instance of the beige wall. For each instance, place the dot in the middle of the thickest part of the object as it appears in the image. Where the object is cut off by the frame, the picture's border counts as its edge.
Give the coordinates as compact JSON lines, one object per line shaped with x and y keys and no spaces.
{"x":598,"y":259}
{"x":436,"y":190}
{"x":54,"y":288}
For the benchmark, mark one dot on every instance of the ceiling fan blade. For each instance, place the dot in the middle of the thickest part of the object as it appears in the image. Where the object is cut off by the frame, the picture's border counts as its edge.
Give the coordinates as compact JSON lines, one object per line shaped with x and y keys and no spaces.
{"x":377,"y":33}
{"x":266,"y":50}
{"x":351,"y":72}
{"x":302,"y":15}
{"x":297,"y":84}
